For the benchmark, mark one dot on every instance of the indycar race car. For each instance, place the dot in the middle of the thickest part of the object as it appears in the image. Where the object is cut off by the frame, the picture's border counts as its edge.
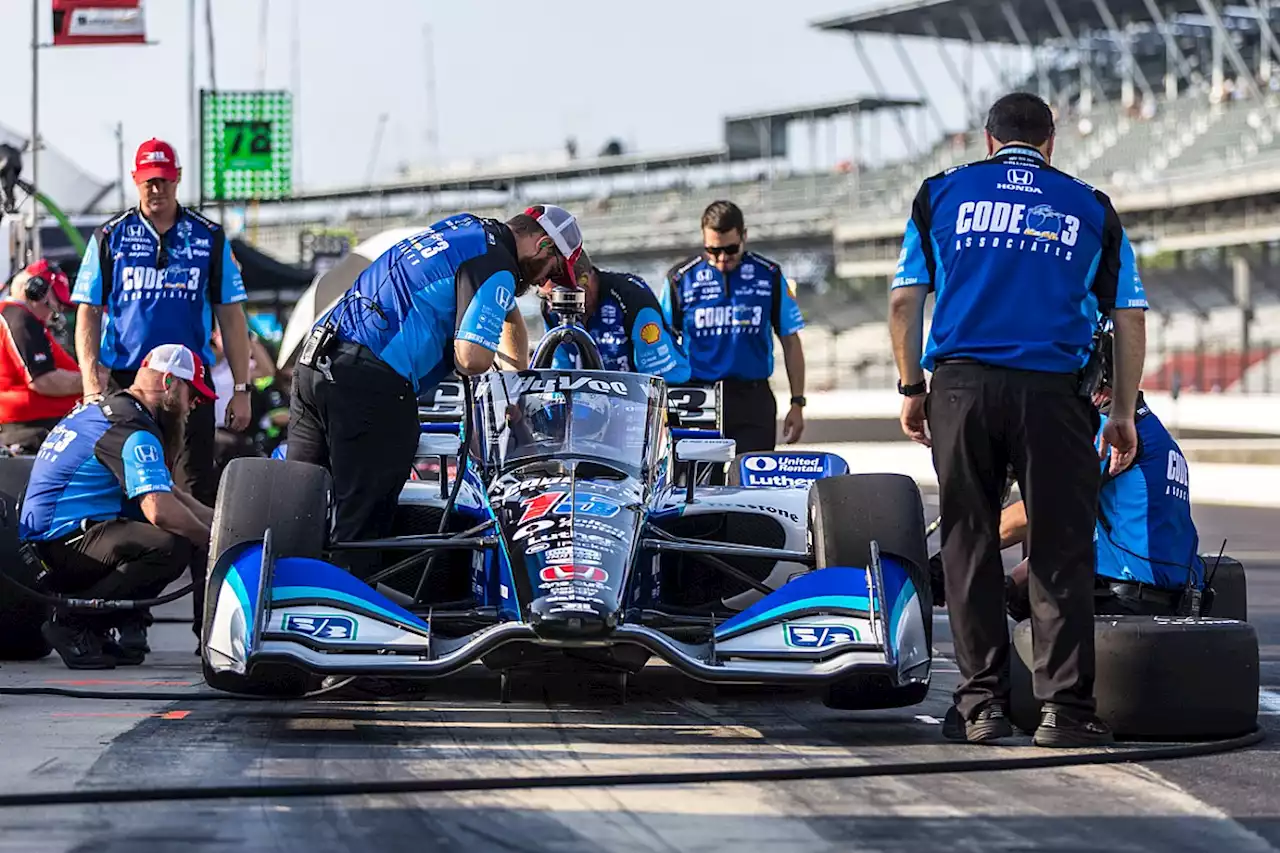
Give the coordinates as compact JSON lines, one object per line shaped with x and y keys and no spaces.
{"x":579,"y":529}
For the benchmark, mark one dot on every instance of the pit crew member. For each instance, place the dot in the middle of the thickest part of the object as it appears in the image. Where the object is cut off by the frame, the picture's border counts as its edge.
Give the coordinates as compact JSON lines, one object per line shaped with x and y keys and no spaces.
{"x":1022,"y":258}
{"x":159,"y":273}
{"x":39,"y":380}
{"x":1145,"y":540}
{"x":104,"y":514}
{"x":439,"y":301}
{"x":725,"y":305}
{"x":625,"y":320}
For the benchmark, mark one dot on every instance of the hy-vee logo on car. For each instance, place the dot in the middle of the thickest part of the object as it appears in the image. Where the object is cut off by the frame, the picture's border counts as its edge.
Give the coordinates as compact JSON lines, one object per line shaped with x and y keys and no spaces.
{"x":568,"y":383}
{"x":819,"y":636}
{"x":323,"y":627}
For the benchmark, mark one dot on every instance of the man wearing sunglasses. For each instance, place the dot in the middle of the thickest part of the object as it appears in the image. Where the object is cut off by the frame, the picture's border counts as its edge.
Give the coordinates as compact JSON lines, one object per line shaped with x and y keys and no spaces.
{"x":726,"y":305}
{"x":443,"y":300}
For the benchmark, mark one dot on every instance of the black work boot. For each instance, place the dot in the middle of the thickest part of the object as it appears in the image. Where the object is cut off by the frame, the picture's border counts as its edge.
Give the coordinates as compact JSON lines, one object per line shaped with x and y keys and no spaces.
{"x":990,"y":723}
{"x":133,"y":633}
{"x":124,"y":655}
{"x":78,"y":645}
{"x":1065,"y":728}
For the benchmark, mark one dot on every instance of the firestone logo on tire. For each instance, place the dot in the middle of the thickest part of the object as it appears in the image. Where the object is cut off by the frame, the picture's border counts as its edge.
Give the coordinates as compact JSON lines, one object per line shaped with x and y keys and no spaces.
{"x":564,"y":574}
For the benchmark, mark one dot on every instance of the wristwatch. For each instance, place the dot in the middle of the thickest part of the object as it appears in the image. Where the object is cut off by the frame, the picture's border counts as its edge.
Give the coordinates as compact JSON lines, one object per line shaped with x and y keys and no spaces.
{"x":798,"y":401}
{"x":915,"y":390}
{"x":240,"y":386}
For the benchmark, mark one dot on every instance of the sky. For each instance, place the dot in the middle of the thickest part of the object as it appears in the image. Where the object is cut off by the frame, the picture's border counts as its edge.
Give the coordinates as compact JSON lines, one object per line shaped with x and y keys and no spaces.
{"x":512,"y":76}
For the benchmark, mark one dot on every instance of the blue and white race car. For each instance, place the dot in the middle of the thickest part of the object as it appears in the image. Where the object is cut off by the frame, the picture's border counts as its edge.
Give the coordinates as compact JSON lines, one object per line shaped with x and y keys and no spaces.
{"x":580,"y":529}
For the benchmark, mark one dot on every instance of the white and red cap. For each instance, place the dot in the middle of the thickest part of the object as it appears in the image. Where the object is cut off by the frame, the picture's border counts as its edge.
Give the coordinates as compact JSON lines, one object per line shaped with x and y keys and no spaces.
{"x":177,"y":360}
{"x":155,"y":159}
{"x":562,"y":227}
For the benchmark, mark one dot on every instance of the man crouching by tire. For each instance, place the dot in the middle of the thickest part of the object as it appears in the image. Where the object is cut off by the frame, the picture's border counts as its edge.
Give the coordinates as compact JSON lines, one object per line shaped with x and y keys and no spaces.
{"x":103,"y":514}
{"x":1147,"y":548}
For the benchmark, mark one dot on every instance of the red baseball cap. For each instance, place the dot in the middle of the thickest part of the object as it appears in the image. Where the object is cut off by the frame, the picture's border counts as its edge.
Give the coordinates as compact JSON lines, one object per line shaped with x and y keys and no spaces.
{"x":155,"y":159}
{"x":179,"y":361}
{"x":53,"y":274}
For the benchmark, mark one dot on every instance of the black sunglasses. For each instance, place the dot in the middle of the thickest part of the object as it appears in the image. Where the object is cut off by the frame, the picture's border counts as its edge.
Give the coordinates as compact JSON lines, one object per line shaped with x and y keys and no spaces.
{"x":717,"y":251}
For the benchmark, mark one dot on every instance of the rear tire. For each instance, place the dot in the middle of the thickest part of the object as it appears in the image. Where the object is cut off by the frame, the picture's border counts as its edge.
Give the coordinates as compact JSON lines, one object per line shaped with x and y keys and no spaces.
{"x":847,"y":513}
{"x":1230,"y":590}
{"x":1159,"y":678}
{"x":20,"y":616}
{"x":291,"y":498}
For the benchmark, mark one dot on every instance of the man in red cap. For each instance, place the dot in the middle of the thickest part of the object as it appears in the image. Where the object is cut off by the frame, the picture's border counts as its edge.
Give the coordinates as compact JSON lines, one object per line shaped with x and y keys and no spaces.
{"x":161,"y":273}
{"x":39,"y":380}
{"x":102,"y":511}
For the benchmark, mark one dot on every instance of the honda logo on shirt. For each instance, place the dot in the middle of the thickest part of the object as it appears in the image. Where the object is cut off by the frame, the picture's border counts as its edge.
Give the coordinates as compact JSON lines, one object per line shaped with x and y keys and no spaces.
{"x":146,"y":454}
{"x":1021,"y":177}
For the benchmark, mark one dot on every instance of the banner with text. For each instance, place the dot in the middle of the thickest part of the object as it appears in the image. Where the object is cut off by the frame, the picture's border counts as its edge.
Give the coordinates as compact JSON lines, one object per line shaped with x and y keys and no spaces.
{"x":85,"y":22}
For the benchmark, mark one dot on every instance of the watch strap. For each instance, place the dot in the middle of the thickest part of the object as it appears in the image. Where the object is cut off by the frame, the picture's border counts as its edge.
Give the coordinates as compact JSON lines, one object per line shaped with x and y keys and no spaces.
{"x":915,"y":390}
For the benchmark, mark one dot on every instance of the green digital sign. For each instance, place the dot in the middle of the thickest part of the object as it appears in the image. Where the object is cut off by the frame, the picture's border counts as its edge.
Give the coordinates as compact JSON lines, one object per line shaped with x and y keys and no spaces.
{"x":247,"y":150}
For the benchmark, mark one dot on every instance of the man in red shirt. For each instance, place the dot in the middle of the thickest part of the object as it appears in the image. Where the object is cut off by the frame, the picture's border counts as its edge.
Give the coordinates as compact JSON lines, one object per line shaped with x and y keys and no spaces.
{"x":39,"y":380}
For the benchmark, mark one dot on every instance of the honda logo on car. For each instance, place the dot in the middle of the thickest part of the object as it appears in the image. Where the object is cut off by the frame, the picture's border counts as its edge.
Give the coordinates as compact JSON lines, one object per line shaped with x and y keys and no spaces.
{"x":564,"y":574}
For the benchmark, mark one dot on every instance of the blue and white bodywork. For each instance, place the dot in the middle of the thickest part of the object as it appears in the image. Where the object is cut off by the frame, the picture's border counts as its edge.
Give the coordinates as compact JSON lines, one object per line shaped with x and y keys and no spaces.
{"x":581,"y":535}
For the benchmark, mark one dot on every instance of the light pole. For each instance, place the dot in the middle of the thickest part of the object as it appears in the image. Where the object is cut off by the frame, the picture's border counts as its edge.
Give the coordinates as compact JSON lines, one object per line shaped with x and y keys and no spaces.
{"x":34,"y":240}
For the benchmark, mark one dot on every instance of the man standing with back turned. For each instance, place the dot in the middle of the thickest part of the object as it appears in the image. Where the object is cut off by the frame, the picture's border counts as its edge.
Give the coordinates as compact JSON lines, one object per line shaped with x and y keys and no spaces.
{"x":1023,"y":260}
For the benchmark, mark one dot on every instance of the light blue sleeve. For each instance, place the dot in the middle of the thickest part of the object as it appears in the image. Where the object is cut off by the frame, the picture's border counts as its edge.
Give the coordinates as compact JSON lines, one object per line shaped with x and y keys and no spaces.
{"x":664,"y":300}
{"x":655,"y":350}
{"x":1129,"y":290}
{"x":913,"y":267}
{"x":88,"y":289}
{"x":482,"y":322}
{"x":232,"y":284}
{"x":144,"y":468}
{"x":791,"y":320}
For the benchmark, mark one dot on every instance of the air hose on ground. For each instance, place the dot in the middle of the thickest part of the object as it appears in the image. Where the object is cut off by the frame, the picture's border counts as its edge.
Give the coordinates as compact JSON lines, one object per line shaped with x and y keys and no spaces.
{"x":519,"y":783}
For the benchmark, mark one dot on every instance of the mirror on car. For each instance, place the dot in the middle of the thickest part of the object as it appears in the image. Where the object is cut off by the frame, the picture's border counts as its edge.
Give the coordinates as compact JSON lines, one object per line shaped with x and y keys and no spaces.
{"x":705,"y":450}
{"x":438,"y":444}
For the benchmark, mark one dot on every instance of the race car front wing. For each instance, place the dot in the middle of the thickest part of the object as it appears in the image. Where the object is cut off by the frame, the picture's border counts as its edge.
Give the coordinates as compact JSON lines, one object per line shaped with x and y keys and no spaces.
{"x":822,"y":626}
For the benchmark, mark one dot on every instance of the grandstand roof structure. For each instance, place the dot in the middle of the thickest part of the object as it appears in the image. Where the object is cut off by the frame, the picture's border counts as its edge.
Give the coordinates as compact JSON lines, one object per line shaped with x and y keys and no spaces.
{"x":503,"y":180}
{"x":1022,"y":23}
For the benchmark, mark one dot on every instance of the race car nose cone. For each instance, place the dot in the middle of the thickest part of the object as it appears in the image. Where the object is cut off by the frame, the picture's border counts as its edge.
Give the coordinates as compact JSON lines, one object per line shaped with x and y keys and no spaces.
{"x":558,"y":617}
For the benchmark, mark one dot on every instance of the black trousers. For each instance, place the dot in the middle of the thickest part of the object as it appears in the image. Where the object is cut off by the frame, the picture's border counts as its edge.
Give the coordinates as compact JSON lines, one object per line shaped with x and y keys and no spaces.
{"x":27,"y":435}
{"x":194,"y":472}
{"x":750,"y":414}
{"x":363,"y":427}
{"x":983,"y":419}
{"x":116,"y":560}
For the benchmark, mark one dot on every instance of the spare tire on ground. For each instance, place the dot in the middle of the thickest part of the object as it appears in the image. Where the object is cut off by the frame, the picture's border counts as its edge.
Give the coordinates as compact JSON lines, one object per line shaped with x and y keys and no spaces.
{"x":1230,"y":591}
{"x":292,"y":499}
{"x":20,"y":615}
{"x":1159,"y":678}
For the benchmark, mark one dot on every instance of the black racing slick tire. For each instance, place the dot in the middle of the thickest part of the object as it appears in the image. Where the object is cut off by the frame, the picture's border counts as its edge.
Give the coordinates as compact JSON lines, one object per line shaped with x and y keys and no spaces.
{"x":1159,"y":678}
{"x":292,"y":499}
{"x":1230,"y":591}
{"x":845,"y":514}
{"x":20,"y":615}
